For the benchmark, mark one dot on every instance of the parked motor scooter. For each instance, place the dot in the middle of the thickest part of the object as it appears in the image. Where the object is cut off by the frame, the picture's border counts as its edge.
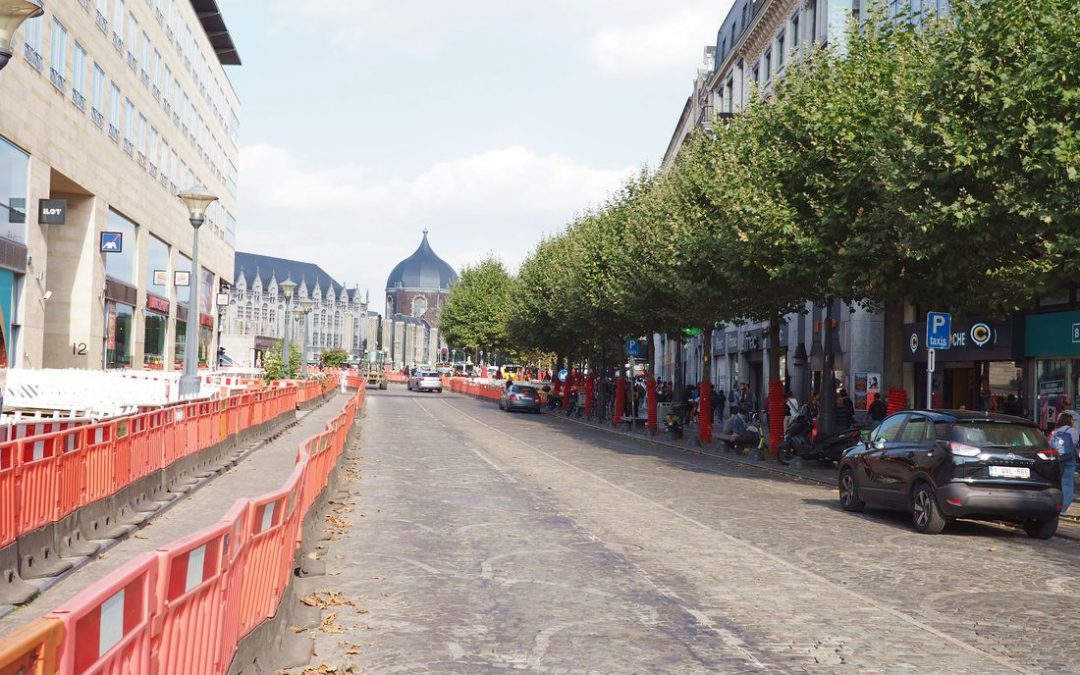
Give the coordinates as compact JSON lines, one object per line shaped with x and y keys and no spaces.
{"x":673,"y":424}
{"x":800,"y":440}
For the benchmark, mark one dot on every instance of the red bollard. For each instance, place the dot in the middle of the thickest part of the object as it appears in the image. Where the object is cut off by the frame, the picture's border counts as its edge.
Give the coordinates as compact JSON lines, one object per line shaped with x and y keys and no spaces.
{"x":650,"y":402}
{"x":620,"y":401}
{"x":590,"y":393}
{"x":777,"y":405}
{"x":705,"y":413}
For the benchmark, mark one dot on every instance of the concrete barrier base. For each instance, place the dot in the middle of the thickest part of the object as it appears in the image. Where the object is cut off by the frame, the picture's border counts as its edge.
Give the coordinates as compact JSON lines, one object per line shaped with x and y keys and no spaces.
{"x":13,"y":590}
{"x":39,"y":554}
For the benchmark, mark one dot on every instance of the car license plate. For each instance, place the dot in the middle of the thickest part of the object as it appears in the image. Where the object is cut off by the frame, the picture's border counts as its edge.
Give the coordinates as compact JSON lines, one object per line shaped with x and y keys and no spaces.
{"x":1010,"y":472}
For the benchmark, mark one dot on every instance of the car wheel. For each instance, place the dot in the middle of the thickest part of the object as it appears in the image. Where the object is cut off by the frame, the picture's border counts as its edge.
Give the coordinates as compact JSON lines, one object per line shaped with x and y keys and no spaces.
{"x":849,"y":492}
{"x":1041,"y":529}
{"x":925,"y":514}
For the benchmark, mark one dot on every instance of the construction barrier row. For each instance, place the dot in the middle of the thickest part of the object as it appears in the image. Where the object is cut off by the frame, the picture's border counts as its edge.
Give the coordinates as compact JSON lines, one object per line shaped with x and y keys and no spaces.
{"x":66,"y":492}
{"x":184,"y":607}
{"x":463,"y":385}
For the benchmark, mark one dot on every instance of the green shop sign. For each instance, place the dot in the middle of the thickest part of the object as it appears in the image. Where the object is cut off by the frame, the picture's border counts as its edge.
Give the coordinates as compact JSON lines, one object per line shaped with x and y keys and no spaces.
{"x":1055,"y":334}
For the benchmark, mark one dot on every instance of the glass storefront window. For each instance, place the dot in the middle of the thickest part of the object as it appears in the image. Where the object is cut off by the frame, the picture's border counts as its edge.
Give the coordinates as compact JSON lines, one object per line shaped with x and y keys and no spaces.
{"x":14,"y":169}
{"x":121,"y":265}
{"x":179,"y":344}
{"x":157,"y":267}
{"x":183,"y":264}
{"x":1051,"y":392}
{"x":154,"y":346}
{"x":118,"y":335}
{"x":204,"y":344}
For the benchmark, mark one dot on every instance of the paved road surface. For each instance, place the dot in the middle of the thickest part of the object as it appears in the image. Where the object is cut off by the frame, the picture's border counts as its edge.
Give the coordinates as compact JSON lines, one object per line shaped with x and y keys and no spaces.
{"x":480,"y":541}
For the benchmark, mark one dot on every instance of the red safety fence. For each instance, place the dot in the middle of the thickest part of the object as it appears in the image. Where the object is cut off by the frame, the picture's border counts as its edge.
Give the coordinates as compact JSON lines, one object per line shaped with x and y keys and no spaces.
{"x":462,"y":385}
{"x":184,"y":607}
{"x":47,"y":477}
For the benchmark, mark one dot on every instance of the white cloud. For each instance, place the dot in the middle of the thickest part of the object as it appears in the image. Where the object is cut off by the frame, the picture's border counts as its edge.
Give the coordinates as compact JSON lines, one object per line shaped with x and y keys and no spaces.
{"x":672,"y":42}
{"x":357,"y":223}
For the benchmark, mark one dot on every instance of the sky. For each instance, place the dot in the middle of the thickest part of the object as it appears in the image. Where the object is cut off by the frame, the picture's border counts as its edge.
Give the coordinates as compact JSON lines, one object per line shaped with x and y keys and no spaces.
{"x":491,"y":123}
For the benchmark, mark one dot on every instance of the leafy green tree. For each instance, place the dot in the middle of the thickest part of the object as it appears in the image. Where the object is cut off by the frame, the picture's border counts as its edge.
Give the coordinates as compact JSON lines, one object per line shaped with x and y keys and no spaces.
{"x":334,"y":357}
{"x":274,"y":362}
{"x":475,"y":315}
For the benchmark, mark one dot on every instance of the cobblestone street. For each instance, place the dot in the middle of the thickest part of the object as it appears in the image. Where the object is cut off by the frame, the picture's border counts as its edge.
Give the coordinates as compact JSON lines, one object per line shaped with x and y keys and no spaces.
{"x":478,"y":540}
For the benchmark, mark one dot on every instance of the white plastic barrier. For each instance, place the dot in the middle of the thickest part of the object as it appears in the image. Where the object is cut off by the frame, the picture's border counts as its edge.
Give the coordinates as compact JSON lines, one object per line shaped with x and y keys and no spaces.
{"x":96,"y":393}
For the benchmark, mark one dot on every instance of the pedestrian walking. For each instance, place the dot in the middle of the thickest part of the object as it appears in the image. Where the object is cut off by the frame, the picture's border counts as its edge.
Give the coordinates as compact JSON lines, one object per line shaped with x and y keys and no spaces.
{"x":1066,"y":439}
{"x":791,"y":408}
{"x":878,"y":410}
{"x":720,"y":406}
{"x":845,"y":410}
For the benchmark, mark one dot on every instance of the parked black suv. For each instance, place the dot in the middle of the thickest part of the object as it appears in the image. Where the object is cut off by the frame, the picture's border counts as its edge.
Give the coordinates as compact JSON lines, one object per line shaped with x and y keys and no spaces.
{"x":946,"y":464}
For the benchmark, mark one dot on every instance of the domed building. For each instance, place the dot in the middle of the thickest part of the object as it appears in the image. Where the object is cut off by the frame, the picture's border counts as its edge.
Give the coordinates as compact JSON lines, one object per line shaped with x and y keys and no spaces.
{"x":416,"y":291}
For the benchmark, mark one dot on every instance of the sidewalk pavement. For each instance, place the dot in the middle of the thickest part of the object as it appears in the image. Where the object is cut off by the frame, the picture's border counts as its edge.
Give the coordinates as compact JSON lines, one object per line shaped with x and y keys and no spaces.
{"x":811,"y":471}
{"x":265,"y":468}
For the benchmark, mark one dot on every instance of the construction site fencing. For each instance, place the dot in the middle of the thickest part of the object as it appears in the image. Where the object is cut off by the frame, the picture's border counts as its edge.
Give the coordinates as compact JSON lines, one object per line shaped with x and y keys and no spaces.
{"x":184,"y":607}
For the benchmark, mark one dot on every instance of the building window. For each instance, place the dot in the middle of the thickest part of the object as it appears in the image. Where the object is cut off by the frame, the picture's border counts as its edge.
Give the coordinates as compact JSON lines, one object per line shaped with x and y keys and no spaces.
{"x":58,"y":71}
{"x":757,"y":75}
{"x":780,"y":51}
{"x":78,"y":75}
{"x":156,"y":328}
{"x":97,"y":92}
{"x":768,"y":64}
{"x":32,"y":43}
{"x":114,"y":112}
{"x":795,"y":30}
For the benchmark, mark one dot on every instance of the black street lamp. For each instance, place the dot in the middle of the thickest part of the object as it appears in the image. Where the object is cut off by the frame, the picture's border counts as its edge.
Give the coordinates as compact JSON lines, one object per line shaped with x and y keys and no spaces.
{"x":12,"y":15}
{"x":196,"y":199}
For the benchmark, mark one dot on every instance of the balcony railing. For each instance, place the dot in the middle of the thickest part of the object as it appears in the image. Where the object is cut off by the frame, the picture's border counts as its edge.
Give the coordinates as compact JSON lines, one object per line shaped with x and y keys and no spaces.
{"x":153,"y":170}
{"x":168,"y":34}
{"x":131,"y":61}
{"x":159,"y":16}
{"x":157,"y":93}
{"x":167,"y":106}
{"x":164,"y":180}
{"x":78,"y":99}
{"x":176,"y":118}
{"x":128,"y":147}
{"x":114,"y":133}
{"x":118,"y":42}
{"x":102,"y":23}
{"x":145,"y":77}
{"x":57,"y":80}
{"x":32,"y":57}
{"x":140,"y":158}
{"x":96,"y":117}
{"x":85,"y":4}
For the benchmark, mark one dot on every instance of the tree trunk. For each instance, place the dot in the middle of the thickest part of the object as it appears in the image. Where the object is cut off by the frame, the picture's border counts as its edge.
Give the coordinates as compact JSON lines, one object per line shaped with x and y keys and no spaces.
{"x":895,"y":344}
{"x":776,"y":386}
{"x":827,"y":408}
{"x":705,"y":397}
{"x":678,"y":383}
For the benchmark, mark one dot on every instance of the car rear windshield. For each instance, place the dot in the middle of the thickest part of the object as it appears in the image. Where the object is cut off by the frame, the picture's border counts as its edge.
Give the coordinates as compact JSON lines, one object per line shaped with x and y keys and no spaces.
{"x":429,"y":375}
{"x":525,"y":390}
{"x":984,"y":433}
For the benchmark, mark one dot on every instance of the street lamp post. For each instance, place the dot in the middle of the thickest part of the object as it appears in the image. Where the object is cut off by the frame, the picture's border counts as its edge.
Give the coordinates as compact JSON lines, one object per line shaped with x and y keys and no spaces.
{"x":301,"y":314}
{"x":287,"y":287}
{"x":196,"y":199}
{"x":12,"y":15}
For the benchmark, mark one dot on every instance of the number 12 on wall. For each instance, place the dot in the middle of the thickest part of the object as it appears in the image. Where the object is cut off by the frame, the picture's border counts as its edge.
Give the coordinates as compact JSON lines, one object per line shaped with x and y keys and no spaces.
{"x":78,"y":348}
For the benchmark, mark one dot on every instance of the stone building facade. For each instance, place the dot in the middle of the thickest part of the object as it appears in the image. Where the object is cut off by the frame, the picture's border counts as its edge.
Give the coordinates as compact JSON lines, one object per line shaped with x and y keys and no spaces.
{"x":256,"y":315}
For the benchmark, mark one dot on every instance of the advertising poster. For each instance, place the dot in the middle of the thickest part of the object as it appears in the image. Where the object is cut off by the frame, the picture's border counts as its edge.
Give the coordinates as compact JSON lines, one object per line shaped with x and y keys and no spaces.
{"x":859,"y":398}
{"x":873,"y":387}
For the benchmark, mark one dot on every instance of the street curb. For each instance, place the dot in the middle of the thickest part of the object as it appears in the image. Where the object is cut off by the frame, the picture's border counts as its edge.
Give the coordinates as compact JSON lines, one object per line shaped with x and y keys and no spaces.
{"x":738,"y":461}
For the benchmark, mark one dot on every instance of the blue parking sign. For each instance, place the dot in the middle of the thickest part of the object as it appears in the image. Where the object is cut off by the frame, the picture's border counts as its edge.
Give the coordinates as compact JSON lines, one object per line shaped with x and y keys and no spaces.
{"x":938,"y":330}
{"x":633,"y":347}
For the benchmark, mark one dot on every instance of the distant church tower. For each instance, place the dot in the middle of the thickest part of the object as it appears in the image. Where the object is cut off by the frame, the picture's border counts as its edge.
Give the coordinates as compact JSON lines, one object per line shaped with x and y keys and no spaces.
{"x":416,"y":291}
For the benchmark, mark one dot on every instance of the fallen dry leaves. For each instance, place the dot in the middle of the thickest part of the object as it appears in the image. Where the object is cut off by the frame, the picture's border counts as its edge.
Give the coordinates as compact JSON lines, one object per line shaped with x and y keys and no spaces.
{"x":324,"y":599}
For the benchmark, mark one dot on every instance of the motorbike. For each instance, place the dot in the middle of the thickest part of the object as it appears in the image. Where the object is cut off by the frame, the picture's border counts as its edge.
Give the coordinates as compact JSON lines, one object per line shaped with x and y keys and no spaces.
{"x":801,"y":440}
{"x":673,"y":425}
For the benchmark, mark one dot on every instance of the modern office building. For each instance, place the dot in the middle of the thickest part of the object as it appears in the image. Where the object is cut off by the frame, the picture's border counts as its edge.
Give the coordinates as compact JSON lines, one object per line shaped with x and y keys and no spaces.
{"x":255,"y":317}
{"x":109,"y":109}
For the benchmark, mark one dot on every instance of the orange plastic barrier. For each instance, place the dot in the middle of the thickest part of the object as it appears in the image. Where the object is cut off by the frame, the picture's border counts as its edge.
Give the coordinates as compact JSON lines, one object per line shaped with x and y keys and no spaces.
{"x":184,"y":607}
{"x":32,"y":649}
{"x":46,"y":477}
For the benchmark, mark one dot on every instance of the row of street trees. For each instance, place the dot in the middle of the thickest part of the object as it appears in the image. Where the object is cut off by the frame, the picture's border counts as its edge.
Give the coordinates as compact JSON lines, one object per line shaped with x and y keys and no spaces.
{"x":933,"y":162}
